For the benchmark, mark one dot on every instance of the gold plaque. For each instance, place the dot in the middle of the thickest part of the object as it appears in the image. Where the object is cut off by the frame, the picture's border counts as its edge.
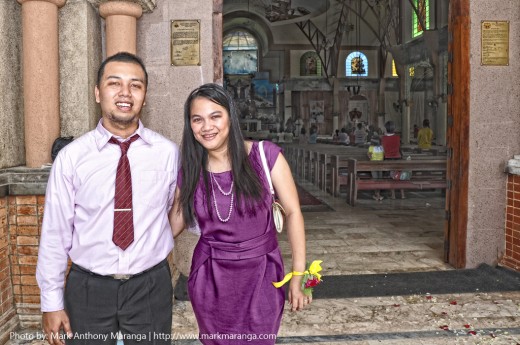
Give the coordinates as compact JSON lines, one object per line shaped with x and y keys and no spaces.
{"x":495,"y":43}
{"x":185,"y":43}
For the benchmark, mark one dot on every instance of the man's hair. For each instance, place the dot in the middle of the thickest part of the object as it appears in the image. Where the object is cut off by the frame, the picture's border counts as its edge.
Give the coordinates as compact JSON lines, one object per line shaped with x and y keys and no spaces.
{"x":194,"y":159}
{"x":426,"y":123}
{"x":122,"y":57}
{"x":390,"y":126}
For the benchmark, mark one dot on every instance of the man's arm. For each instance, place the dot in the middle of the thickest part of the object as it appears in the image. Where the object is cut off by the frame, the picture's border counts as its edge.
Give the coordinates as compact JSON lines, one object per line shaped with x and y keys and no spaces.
{"x":55,"y":243}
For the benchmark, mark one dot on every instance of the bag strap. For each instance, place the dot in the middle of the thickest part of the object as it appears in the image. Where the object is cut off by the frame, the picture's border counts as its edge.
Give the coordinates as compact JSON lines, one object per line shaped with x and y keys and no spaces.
{"x":266,"y":168}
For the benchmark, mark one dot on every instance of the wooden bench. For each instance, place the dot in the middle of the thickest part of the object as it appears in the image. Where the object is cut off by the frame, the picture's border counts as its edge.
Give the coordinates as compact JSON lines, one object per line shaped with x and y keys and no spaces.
{"x":339,"y":170}
{"x":426,"y":174}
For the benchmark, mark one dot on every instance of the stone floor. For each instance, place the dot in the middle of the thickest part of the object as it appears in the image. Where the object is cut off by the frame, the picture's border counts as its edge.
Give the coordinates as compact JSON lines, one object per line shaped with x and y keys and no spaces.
{"x":385,"y":237}
{"x":382,"y":237}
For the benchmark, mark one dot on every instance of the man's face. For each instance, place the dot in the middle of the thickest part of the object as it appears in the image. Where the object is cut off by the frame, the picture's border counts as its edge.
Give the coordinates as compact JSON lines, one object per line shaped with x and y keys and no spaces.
{"x":121,"y":94}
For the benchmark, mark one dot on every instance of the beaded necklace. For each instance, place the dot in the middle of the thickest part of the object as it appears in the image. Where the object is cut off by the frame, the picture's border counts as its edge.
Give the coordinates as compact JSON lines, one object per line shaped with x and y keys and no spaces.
{"x":223,"y":220}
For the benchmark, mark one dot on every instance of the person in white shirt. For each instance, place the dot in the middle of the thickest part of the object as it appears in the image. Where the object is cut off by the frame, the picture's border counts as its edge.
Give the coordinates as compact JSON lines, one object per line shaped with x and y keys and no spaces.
{"x":343,"y":137}
{"x":119,"y":281}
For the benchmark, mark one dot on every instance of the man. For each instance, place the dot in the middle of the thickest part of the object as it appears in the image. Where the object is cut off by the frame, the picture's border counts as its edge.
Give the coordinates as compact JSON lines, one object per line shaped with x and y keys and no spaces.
{"x":106,"y":208}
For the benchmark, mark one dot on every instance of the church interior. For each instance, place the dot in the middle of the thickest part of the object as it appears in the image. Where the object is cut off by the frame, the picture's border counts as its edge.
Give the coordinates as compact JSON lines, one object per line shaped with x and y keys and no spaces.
{"x":331,"y":65}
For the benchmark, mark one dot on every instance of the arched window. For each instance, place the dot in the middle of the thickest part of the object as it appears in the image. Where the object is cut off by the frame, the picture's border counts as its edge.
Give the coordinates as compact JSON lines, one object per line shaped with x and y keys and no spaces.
{"x":240,"y":55}
{"x":394,"y":70}
{"x":356,"y":65}
{"x":423,"y":8}
{"x":310,"y":64}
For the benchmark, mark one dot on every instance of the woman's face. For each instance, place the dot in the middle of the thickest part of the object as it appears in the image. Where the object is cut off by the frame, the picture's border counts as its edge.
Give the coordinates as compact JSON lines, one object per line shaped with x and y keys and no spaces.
{"x":210,"y":124}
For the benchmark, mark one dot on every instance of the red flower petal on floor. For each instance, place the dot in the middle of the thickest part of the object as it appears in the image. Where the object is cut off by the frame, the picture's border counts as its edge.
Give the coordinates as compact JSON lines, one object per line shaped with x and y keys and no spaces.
{"x":428,"y":297}
{"x":397,"y":305}
{"x":453,"y":302}
{"x":444,"y":313}
{"x":445,"y":327}
{"x":467,"y":326}
{"x":472,"y":332}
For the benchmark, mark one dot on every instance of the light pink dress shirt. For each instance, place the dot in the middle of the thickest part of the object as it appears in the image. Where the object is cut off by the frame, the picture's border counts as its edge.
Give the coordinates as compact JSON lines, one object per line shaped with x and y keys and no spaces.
{"x":79,"y":209}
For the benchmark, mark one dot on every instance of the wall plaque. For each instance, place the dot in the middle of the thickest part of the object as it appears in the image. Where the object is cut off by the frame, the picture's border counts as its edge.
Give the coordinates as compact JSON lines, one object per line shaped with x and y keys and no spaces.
{"x":495,"y":43}
{"x":185,"y":42}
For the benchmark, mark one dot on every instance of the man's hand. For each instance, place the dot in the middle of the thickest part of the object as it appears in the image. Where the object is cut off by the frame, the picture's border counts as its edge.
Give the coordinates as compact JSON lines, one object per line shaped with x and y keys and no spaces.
{"x":52,"y":323}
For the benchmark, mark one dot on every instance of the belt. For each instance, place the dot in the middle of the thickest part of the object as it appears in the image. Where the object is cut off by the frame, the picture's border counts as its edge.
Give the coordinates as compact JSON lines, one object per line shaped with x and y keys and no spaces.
{"x":259,"y":246}
{"x":208,"y":248}
{"x":121,"y":277}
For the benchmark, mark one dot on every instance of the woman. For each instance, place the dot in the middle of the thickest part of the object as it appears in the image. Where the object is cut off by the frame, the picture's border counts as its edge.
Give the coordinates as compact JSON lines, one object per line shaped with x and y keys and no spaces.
{"x":425,"y":135}
{"x":222,"y":187}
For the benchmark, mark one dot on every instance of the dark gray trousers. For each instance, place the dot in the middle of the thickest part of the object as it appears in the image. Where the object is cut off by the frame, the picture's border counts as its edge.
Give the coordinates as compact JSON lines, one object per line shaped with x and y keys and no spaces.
{"x":140,"y":307}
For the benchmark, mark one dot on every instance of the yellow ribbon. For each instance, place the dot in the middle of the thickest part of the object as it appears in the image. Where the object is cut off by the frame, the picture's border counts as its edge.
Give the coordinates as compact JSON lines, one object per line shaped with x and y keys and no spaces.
{"x":314,"y":268}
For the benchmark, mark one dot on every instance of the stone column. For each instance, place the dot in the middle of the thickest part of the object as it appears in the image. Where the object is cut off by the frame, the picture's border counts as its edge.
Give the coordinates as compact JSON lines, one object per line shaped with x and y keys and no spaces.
{"x":40,"y":78}
{"x":120,"y":26}
{"x":80,"y":57}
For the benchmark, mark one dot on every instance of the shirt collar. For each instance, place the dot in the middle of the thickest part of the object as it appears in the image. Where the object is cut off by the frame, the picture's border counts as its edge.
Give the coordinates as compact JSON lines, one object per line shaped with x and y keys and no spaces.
{"x":102,"y":135}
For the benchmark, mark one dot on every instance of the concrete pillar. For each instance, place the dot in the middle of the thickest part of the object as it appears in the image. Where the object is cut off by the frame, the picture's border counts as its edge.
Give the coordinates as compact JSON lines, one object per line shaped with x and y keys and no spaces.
{"x":40,"y":78}
{"x":120,"y":26}
{"x":287,"y":111}
{"x":405,"y":124}
{"x":12,"y":136}
{"x":441,"y":123}
{"x":80,"y":57}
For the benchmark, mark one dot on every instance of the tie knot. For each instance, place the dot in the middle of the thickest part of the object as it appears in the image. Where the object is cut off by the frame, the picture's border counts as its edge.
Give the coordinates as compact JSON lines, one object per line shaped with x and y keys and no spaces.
{"x":125,"y":144}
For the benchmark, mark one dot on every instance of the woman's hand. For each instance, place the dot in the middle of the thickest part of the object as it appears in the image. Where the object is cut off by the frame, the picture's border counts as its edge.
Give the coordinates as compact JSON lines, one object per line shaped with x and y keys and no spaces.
{"x":297,"y":298}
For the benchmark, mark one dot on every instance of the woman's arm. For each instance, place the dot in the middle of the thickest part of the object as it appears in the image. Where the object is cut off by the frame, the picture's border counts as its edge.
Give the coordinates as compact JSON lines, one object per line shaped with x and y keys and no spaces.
{"x":176,"y":218}
{"x":286,"y":190}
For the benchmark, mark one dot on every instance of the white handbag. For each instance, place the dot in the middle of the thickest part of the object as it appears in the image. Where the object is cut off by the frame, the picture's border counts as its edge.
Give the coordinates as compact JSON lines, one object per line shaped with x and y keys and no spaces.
{"x":278,"y":211}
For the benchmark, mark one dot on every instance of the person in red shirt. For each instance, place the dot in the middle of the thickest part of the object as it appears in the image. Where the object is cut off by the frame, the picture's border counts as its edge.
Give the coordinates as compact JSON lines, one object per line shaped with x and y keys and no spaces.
{"x":391,"y":143}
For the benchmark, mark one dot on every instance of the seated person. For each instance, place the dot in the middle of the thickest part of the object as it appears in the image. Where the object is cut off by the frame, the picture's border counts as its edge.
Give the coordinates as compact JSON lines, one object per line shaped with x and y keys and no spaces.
{"x":343,"y":137}
{"x":392,"y":145}
{"x":302,"y":139}
{"x":335,"y":137}
{"x":360,"y":135}
{"x":313,"y":137}
{"x":391,"y":142}
{"x":376,"y":153}
{"x":425,"y":136}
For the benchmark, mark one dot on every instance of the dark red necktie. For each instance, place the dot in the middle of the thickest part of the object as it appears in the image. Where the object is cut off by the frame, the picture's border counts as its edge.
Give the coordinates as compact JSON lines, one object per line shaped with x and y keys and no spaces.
{"x":123,"y":234}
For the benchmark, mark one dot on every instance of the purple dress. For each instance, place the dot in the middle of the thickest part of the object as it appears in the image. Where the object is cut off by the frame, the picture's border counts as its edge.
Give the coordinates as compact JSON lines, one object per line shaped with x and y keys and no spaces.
{"x":235,"y":263}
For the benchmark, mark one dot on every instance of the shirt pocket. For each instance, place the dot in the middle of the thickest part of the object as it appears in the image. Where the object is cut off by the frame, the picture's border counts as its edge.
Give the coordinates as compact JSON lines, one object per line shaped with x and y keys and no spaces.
{"x":152,"y":187}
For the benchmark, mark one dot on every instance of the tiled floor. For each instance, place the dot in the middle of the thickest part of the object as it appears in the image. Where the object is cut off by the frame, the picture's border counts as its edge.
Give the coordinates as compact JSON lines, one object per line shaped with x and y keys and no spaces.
{"x":384,"y":237}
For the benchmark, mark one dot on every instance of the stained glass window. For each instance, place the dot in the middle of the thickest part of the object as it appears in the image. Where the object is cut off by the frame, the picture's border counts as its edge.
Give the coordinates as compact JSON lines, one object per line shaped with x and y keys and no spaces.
{"x":423,"y":8}
{"x":240,"y":55}
{"x":356,"y":65}
{"x":239,"y":40}
{"x":394,"y":70}
{"x":310,"y":64}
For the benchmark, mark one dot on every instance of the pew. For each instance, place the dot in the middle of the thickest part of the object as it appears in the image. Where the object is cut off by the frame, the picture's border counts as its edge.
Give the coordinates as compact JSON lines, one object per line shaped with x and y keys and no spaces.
{"x":426,"y":174}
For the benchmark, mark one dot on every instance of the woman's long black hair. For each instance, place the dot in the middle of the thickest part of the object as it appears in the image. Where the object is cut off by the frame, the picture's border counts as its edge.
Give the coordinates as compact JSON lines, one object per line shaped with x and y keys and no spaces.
{"x":194,"y":157}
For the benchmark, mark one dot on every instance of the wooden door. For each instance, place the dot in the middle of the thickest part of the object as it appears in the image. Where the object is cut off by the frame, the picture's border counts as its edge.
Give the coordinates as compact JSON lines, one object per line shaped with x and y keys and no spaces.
{"x":457,"y":134}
